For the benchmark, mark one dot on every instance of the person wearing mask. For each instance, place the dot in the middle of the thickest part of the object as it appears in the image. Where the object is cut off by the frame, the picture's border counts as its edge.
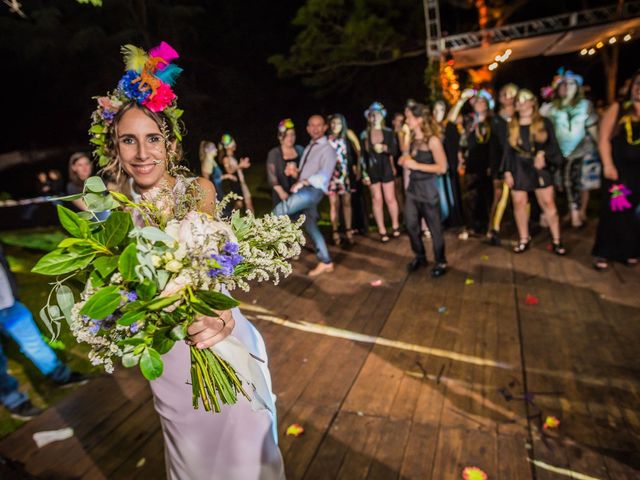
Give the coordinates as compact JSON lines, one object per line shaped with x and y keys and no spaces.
{"x":314,"y":175}
{"x":531,"y":154}
{"x":379,"y":146}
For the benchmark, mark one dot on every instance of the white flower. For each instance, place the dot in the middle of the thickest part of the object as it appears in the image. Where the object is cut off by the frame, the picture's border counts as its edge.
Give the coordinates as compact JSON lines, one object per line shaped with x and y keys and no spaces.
{"x":156,"y":261}
{"x":173,"y":266}
{"x":180,"y":253}
{"x":176,"y":285}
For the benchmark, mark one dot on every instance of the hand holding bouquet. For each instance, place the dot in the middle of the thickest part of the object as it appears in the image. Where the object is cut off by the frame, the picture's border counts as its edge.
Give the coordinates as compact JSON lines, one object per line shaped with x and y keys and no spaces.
{"x":145,"y":276}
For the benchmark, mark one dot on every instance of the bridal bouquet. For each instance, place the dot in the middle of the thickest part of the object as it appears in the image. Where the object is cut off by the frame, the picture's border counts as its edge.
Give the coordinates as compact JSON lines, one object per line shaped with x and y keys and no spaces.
{"x":145,"y":275}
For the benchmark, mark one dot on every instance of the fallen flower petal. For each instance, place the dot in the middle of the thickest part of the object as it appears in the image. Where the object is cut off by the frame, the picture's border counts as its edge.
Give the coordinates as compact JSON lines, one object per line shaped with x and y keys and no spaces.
{"x":531,"y":300}
{"x":473,"y":473}
{"x":469,"y":281}
{"x":295,"y":430}
{"x":376,"y":283}
{"x":551,"y":423}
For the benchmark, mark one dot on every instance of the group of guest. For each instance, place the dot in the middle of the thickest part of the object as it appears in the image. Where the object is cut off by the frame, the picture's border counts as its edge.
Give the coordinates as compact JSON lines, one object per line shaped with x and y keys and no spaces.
{"x":435,"y":169}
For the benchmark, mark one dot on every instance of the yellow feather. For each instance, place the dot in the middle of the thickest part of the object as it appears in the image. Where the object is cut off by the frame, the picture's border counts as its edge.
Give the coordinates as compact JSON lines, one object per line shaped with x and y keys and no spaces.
{"x":134,"y":57}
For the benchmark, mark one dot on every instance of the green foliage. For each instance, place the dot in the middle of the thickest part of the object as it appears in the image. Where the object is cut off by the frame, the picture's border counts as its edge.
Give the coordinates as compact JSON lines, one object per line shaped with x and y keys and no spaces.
{"x":127,"y":263}
{"x":216,"y":300}
{"x":338,"y":37}
{"x":102,"y":303}
{"x":151,"y":364}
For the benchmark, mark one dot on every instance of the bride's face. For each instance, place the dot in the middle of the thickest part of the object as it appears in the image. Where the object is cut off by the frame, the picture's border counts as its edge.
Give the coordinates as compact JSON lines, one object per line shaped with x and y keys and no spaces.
{"x":141,"y":149}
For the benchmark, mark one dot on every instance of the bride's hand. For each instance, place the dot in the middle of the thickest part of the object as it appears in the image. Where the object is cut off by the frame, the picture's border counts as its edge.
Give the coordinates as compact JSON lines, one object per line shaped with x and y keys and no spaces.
{"x":207,"y":331}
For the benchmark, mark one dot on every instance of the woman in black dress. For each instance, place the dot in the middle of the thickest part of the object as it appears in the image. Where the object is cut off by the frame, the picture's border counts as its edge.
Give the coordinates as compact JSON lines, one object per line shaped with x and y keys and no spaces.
{"x":379,"y":146}
{"x":530,"y":154}
{"x":475,"y":156}
{"x":618,"y":234}
{"x":282,"y":162}
{"x":426,"y":161}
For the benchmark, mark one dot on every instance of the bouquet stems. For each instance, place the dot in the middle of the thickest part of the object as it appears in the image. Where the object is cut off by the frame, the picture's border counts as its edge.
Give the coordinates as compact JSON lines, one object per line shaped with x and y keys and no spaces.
{"x":213,"y":380}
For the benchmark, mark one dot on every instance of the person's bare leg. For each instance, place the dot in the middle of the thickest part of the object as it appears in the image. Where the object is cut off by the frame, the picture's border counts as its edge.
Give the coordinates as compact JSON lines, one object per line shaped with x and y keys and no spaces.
{"x":347,"y":214}
{"x":521,"y":213}
{"x":390,"y":199}
{"x":334,"y":215}
{"x":547,"y":202}
{"x":584,"y":205}
{"x":377,"y":204}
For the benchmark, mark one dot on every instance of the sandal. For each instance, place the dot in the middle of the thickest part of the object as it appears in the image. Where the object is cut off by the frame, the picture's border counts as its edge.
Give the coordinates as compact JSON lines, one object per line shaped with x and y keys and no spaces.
{"x":601,"y":264}
{"x":396,"y":232}
{"x":522,"y":246}
{"x":349,"y":235}
{"x":336,"y":238}
{"x":384,"y":238}
{"x":558,"y":248}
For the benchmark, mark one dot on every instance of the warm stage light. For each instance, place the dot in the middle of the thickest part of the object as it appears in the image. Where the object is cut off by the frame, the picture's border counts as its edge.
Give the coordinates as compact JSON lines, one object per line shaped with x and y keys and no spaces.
{"x":599,"y":45}
{"x":612,"y":40}
{"x":627,"y":37}
{"x":592,"y":51}
{"x":583,"y":51}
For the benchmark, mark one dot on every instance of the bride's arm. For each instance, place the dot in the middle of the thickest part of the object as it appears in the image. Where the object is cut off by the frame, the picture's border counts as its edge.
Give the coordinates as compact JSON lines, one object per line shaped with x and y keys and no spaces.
{"x":208,"y":201}
{"x":207,"y":331}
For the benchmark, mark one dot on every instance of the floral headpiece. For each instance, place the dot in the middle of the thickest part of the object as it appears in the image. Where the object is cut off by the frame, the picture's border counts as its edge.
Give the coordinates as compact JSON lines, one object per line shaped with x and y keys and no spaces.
{"x":560,"y":77}
{"x":147,"y":81}
{"x":376,"y":107}
{"x":486,"y":96}
{"x":284,"y":125}
{"x":227,"y":140}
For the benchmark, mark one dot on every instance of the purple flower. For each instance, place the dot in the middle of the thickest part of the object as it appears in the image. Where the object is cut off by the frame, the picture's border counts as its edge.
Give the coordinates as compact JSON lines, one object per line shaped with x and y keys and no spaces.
{"x":135,"y":326}
{"x":95,"y":326}
{"x":225,"y":264}
{"x":231,"y":247}
{"x":132,"y":296}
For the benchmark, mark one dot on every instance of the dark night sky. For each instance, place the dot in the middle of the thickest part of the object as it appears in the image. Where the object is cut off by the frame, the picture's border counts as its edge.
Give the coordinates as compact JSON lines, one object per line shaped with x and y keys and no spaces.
{"x":66,"y":53}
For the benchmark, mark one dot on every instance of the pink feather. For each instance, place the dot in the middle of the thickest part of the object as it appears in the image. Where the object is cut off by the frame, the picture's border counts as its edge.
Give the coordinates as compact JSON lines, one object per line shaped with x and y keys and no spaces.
{"x":164,"y":51}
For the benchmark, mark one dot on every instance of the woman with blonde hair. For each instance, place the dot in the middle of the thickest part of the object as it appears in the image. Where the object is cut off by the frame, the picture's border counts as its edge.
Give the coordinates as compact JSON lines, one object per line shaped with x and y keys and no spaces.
{"x":234,"y":171}
{"x":530,"y":154}
{"x":209,"y":168}
{"x":425,"y":161}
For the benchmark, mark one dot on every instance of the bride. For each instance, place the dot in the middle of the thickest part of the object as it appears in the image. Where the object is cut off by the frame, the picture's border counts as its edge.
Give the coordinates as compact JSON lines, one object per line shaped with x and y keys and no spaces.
{"x":138,"y":136}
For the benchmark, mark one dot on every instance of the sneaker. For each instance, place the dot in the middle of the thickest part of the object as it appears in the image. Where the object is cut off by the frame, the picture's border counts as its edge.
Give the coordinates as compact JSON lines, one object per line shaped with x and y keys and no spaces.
{"x":75,"y":379}
{"x":320,"y":269}
{"x":25,"y":411}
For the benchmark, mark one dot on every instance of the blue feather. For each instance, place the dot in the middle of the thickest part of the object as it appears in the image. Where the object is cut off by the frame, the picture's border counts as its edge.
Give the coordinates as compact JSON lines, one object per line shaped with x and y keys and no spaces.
{"x":169,"y":74}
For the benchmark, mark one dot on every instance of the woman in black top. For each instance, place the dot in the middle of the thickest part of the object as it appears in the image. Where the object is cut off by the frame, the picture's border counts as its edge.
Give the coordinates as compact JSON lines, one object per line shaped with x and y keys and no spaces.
{"x":379,"y":146}
{"x":530,"y":154}
{"x":426,"y":161}
{"x":475,"y":157}
{"x":618,"y":234}
{"x":282,"y":162}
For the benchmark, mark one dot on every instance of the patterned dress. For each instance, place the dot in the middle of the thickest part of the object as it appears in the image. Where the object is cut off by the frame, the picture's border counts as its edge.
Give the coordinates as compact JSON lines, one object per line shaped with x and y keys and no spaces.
{"x":340,"y":183}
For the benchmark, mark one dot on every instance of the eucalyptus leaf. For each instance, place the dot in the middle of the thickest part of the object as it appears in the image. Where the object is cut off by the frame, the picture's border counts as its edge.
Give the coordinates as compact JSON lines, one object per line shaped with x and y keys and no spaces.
{"x":151,"y":364}
{"x":47,"y":322}
{"x":163,"y":278}
{"x":130,"y":360}
{"x":95,"y":185}
{"x":64,"y":297}
{"x":156,"y":235}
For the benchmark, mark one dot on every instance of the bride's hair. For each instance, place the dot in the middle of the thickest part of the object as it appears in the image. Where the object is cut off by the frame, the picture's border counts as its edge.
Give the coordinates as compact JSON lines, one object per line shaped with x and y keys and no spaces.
{"x":173,"y":146}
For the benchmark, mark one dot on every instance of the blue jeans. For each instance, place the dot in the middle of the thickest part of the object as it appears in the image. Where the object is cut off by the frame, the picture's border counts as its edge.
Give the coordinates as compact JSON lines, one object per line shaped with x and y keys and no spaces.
{"x":17,"y":322}
{"x":306,"y":201}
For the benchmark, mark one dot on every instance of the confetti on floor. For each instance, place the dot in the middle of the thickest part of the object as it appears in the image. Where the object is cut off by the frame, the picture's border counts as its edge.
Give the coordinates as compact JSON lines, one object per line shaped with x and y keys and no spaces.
{"x":469,"y":281}
{"x":442,"y":310}
{"x":141,"y":462}
{"x":376,"y":283}
{"x":295,"y":430}
{"x":551,"y":423}
{"x":531,"y":300}
{"x":484,"y":258}
{"x":473,"y":473}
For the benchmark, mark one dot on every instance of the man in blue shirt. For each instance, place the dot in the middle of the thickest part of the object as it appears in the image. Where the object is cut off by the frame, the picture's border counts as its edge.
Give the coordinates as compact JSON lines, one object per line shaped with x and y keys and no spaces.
{"x":314,"y":173}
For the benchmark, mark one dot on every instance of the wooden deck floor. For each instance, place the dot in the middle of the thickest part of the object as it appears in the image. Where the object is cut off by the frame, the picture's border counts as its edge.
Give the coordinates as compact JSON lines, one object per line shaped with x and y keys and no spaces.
{"x":412,"y":379}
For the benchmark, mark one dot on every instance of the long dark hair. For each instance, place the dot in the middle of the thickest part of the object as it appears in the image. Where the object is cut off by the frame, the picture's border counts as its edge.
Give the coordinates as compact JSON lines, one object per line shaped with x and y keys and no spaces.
{"x":345,"y":127}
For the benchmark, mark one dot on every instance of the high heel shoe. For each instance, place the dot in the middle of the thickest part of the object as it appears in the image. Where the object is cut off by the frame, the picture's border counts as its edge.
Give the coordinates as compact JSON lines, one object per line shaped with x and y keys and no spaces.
{"x":395,"y":233}
{"x":558,"y":248}
{"x":349,"y":235}
{"x":336,"y":238}
{"x":522,"y":246}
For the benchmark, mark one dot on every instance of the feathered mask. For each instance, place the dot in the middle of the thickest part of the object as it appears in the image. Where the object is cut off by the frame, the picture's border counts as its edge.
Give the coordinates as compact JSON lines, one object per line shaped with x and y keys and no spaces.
{"x":147,"y":80}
